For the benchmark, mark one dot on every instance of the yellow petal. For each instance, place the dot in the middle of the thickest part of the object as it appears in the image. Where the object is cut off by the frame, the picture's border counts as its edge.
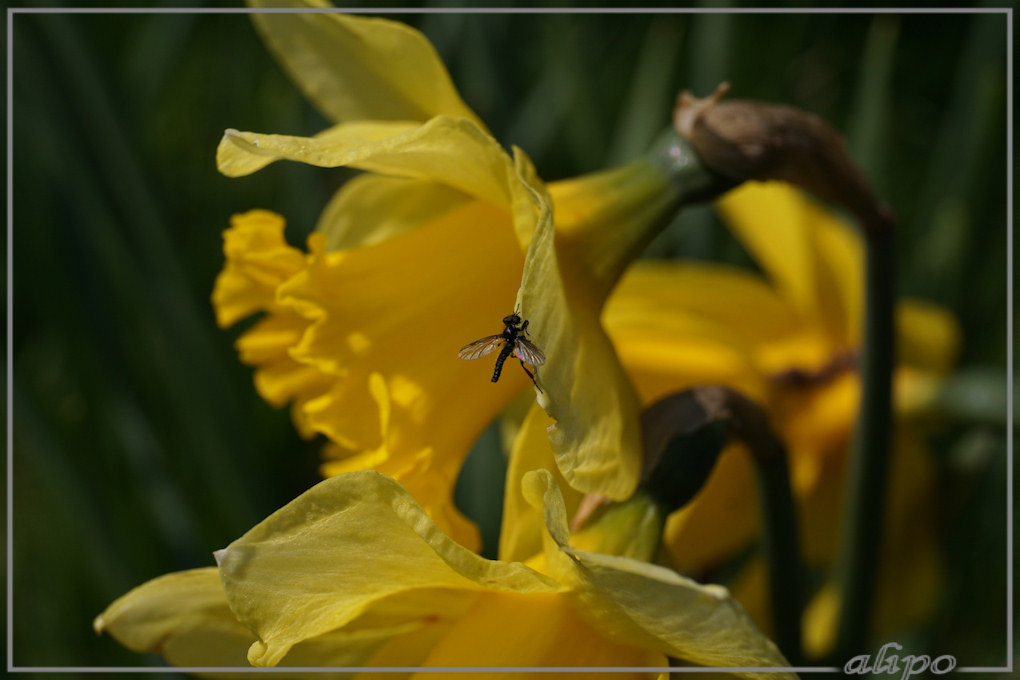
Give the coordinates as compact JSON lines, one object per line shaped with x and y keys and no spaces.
{"x":351,"y":541}
{"x":909,"y":547}
{"x":401,"y":309}
{"x":278,"y":378}
{"x":649,"y":606}
{"x":840,"y":251}
{"x":929,"y":336}
{"x":412,"y":647}
{"x":536,"y":630}
{"x":454,"y":152}
{"x":371,"y":208}
{"x":355,"y":68}
{"x":721,"y":520}
{"x":596,"y":436}
{"x":677,"y":326}
{"x":429,"y":480}
{"x":183,"y":616}
{"x":604,"y":220}
{"x":522,"y":528}
{"x":351,"y":648}
{"x":738,"y":301}
{"x":242,"y":153}
{"x":780,"y":225}
{"x":910,"y":543}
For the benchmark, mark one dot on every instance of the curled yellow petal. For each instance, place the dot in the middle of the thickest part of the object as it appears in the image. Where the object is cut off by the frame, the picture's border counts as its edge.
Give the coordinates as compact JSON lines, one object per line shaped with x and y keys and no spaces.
{"x":596,"y":436}
{"x":183,"y":616}
{"x":602,"y":223}
{"x":522,"y":528}
{"x":649,"y":606}
{"x":355,"y":68}
{"x":455,"y":152}
{"x":347,"y":543}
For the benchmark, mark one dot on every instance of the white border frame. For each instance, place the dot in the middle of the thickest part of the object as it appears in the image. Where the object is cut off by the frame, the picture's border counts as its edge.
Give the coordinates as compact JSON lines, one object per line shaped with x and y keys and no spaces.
{"x":12,"y":11}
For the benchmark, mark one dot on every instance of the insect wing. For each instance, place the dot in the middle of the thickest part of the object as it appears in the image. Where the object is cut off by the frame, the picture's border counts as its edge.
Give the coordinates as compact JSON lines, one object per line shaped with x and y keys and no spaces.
{"x":527,"y":352}
{"x":479,"y":348}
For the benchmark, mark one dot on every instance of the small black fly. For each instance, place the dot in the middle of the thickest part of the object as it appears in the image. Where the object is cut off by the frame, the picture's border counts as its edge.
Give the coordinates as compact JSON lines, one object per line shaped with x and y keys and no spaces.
{"x":514,"y":340}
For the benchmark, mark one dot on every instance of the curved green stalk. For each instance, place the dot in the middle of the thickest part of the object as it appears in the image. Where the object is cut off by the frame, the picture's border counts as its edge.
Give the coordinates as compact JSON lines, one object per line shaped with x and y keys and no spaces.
{"x":869,"y":463}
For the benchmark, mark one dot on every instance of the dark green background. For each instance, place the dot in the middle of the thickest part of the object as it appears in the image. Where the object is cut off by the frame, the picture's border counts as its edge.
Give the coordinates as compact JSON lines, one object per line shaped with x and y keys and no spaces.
{"x":140,"y":445}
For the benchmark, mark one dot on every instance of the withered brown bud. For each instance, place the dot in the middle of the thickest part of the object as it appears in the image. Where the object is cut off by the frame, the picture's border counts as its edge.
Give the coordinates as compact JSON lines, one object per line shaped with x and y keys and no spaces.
{"x":750,"y":140}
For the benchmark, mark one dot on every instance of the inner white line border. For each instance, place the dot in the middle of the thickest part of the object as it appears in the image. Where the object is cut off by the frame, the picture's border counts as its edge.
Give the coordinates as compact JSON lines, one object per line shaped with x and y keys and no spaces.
{"x":507,"y":10}
{"x":12,"y":11}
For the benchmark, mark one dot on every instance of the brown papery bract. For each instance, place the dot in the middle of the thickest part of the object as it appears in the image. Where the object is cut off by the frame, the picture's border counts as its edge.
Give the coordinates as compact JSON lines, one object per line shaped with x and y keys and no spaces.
{"x":750,"y":140}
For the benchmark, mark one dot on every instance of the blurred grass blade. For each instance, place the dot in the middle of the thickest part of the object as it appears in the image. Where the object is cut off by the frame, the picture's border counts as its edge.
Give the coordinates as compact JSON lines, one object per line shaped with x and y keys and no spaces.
{"x":868,"y":122}
{"x":649,"y":99}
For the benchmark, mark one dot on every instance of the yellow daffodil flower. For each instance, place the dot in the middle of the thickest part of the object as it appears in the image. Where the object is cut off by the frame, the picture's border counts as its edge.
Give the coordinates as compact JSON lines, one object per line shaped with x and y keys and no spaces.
{"x":423,"y":254}
{"x":788,"y":339}
{"x":355,"y":573}
{"x":409,"y":261}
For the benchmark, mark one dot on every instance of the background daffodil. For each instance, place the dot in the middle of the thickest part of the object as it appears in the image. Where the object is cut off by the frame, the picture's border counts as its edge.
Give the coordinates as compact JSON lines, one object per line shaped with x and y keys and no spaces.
{"x":789,"y":340}
{"x":354,"y":572}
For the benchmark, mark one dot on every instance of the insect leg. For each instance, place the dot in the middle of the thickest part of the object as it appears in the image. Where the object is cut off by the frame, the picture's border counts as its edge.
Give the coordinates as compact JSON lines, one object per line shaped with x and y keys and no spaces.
{"x":531,"y":376}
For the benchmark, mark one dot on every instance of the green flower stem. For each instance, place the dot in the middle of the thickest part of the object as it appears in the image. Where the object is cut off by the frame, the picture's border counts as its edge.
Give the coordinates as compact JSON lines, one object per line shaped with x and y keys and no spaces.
{"x":779,"y":524}
{"x":869,"y":464}
{"x":684,"y":434}
{"x":779,"y":544}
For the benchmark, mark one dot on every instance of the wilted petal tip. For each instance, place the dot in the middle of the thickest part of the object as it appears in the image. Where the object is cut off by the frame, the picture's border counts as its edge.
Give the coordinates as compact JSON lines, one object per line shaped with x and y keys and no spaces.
{"x":219,"y":555}
{"x":543,"y":400}
{"x":689,"y":108}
